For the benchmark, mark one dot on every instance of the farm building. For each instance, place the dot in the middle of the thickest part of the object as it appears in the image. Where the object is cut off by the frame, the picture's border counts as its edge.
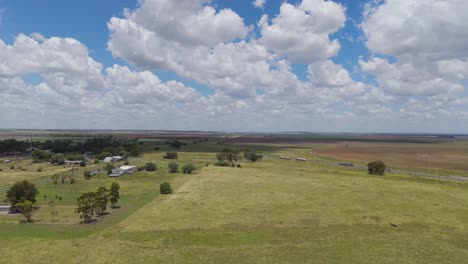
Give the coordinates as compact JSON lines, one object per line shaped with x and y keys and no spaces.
{"x":301,"y":159}
{"x":112,"y":159}
{"x":123,"y":170}
{"x":72,"y":162}
{"x":5,"y":209}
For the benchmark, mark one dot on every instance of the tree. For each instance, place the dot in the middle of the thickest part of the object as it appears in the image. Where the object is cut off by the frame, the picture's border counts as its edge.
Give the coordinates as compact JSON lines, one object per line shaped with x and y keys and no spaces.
{"x":228,"y":155}
{"x":102,"y":198}
{"x":165,"y":188}
{"x":114,"y":193}
{"x":150,"y":166}
{"x":173,"y":167}
{"x":189,"y":168}
{"x":86,"y":206}
{"x":26,"y":209}
{"x":22,"y":191}
{"x":252,"y":156}
{"x":376,"y":167}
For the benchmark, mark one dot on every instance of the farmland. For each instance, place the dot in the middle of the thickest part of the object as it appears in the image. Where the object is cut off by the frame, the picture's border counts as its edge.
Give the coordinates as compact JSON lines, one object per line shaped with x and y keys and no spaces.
{"x":273,"y":211}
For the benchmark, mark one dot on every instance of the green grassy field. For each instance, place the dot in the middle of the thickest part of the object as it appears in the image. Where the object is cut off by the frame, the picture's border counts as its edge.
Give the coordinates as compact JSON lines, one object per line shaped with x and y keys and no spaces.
{"x":274,"y":211}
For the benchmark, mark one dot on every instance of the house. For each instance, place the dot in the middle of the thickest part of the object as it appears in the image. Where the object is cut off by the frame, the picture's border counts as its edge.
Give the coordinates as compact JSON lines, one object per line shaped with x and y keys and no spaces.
{"x":6,"y":161}
{"x":72,"y":162}
{"x":5,"y":209}
{"x":301,"y":159}
{"x":112,"y":159}
{"x":123,"y":170}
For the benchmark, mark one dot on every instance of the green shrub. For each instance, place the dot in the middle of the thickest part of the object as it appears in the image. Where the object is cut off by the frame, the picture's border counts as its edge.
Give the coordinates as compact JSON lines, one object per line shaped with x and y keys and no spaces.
{"x":376,"y":167}
{"x":171,"y":155}
{"x":239,"y":166}
{"x":165,"y":188}
{"x":126,"y":162}
{"x":188,"y":168}
{"x":173,"y":167}
{"x":72,"y":180}
{"x":83,"y":164}
{"x":207,"y":164}
{"x":150,"y":166}
{"x":39,"y":169}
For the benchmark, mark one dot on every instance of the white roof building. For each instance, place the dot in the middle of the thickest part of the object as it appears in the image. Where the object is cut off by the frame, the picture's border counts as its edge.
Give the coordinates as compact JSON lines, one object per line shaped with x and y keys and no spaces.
{"x":123,"y":170}
{"x":112,"y":159}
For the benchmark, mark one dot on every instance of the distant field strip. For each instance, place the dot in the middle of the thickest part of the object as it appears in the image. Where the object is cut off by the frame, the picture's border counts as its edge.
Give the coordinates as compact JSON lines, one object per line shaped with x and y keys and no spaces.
{"x":396,"y":171}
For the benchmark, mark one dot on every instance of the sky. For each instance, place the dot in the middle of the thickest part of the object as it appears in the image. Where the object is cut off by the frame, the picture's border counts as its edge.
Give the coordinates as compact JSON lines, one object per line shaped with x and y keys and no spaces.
{"x":222,"y":65}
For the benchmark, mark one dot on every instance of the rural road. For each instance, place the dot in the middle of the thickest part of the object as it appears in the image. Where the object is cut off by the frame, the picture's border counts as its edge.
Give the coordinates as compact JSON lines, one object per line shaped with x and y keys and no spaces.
{"x":395,"y":171}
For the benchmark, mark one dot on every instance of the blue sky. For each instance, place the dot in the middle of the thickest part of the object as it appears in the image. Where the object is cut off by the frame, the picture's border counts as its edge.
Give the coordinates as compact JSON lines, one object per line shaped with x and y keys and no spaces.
{"x":357,"y":61}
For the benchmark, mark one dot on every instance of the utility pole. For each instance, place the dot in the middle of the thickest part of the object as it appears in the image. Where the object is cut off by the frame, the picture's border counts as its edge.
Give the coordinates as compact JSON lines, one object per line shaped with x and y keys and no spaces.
{"x":31,"y":145}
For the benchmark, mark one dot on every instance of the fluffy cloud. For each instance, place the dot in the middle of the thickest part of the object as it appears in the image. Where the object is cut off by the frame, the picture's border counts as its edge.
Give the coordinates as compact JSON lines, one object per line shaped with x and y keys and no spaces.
{"x":259,"y":3}
{"x":301,"y":33}
{"x":427,"y":39}
{"x":254,"y":86}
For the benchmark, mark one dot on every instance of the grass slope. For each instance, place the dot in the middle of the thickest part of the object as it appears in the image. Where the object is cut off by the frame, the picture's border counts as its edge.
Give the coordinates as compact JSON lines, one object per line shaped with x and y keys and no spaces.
{"x":276,"y":211}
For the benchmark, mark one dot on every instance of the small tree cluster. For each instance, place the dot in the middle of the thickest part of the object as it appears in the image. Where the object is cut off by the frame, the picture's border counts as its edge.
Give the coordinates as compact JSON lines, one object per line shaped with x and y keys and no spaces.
{"x":171,"y":155}
{"x":94,"y":203}
{"x":188,"y":168}
{"x":41,"y":155}
{"x":376,"y":167}
{"x":22,"y":196}
{"x":165,"y":188}
{"x":230,"y":155}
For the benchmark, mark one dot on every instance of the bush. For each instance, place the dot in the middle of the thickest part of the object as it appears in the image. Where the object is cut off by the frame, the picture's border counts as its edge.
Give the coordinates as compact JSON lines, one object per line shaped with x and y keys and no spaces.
{"x":72,"y":180}
{"x":171,"y":155}
{"x":142,"y":168}
{"x":12,"y":167}
{"x":126,"y":162}
{"x":39,"y":169}
{"x":150,"y":166}
{"x":165,"y":188}
{"x":189,"y":168}
{"x":207,"y":164}
{"x":239,"y":166}
{"x":376,"y":167}
{"x":96,"y":161}
{"x":83,"y":164}
{"x":223,"y":164}
{"x":173,"y":167}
